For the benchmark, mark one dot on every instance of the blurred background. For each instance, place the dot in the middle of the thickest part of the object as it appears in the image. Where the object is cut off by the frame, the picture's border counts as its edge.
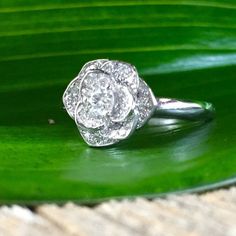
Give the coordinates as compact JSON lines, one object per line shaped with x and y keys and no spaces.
{"x":182,"y":48}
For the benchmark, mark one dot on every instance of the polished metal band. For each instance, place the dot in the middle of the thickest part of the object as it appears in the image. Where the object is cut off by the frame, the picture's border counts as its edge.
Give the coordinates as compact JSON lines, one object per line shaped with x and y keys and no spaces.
{"x":181,"y":109}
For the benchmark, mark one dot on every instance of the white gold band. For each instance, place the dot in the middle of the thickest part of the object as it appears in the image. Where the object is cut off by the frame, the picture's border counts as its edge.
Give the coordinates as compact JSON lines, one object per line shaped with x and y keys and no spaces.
{"x":181,"y":109}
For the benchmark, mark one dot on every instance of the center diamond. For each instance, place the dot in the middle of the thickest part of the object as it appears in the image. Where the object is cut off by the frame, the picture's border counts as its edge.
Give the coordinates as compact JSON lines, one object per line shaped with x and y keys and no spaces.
{"x":97,"y":98}
{"x":101,"y":102}
{"x":97,"y":92}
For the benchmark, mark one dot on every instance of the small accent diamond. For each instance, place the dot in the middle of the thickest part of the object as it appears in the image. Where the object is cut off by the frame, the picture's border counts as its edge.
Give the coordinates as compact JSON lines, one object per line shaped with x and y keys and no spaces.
{"x":146,"y":103}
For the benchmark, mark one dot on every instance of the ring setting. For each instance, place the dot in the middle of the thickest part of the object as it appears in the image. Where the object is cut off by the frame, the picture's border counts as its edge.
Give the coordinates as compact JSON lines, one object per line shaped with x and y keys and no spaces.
{"x":108,"y":101}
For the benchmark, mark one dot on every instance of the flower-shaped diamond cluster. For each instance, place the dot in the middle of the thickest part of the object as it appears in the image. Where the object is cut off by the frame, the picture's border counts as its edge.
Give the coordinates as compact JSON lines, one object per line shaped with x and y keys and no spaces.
{"x":108,"y":101}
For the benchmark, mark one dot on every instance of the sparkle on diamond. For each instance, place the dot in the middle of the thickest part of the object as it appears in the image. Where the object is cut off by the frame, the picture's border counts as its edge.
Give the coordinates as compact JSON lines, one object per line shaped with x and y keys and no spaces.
{"x":108,"y":101}
{"x":71,"y":97}
{"x":103,"y":101}
{"x":97,"y":100}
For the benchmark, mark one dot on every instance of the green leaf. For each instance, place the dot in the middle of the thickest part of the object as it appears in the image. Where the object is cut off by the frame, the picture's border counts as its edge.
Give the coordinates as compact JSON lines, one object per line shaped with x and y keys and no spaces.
{"x":183,"y":49}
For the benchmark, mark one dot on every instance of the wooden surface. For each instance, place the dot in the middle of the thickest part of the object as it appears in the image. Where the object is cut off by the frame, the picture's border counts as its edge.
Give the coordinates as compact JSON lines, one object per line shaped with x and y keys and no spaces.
{"x":211,"y":213}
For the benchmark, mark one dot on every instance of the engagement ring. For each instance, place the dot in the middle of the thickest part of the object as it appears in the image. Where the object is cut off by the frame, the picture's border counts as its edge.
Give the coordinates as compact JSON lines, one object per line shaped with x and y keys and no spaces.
{"x":108,"y":101}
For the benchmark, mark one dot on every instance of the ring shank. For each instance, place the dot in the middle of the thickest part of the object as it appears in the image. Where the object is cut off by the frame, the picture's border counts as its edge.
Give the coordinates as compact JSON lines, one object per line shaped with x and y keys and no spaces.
{"x":181,"y":109}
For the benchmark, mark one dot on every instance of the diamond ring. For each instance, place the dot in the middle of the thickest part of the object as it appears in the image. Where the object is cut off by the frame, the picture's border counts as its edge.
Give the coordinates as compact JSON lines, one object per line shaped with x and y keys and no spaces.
{"x":108,"y":101}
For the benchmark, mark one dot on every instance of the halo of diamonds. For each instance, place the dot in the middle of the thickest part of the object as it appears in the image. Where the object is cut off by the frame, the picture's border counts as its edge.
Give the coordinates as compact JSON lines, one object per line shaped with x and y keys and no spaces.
{"x":108,"y":101}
